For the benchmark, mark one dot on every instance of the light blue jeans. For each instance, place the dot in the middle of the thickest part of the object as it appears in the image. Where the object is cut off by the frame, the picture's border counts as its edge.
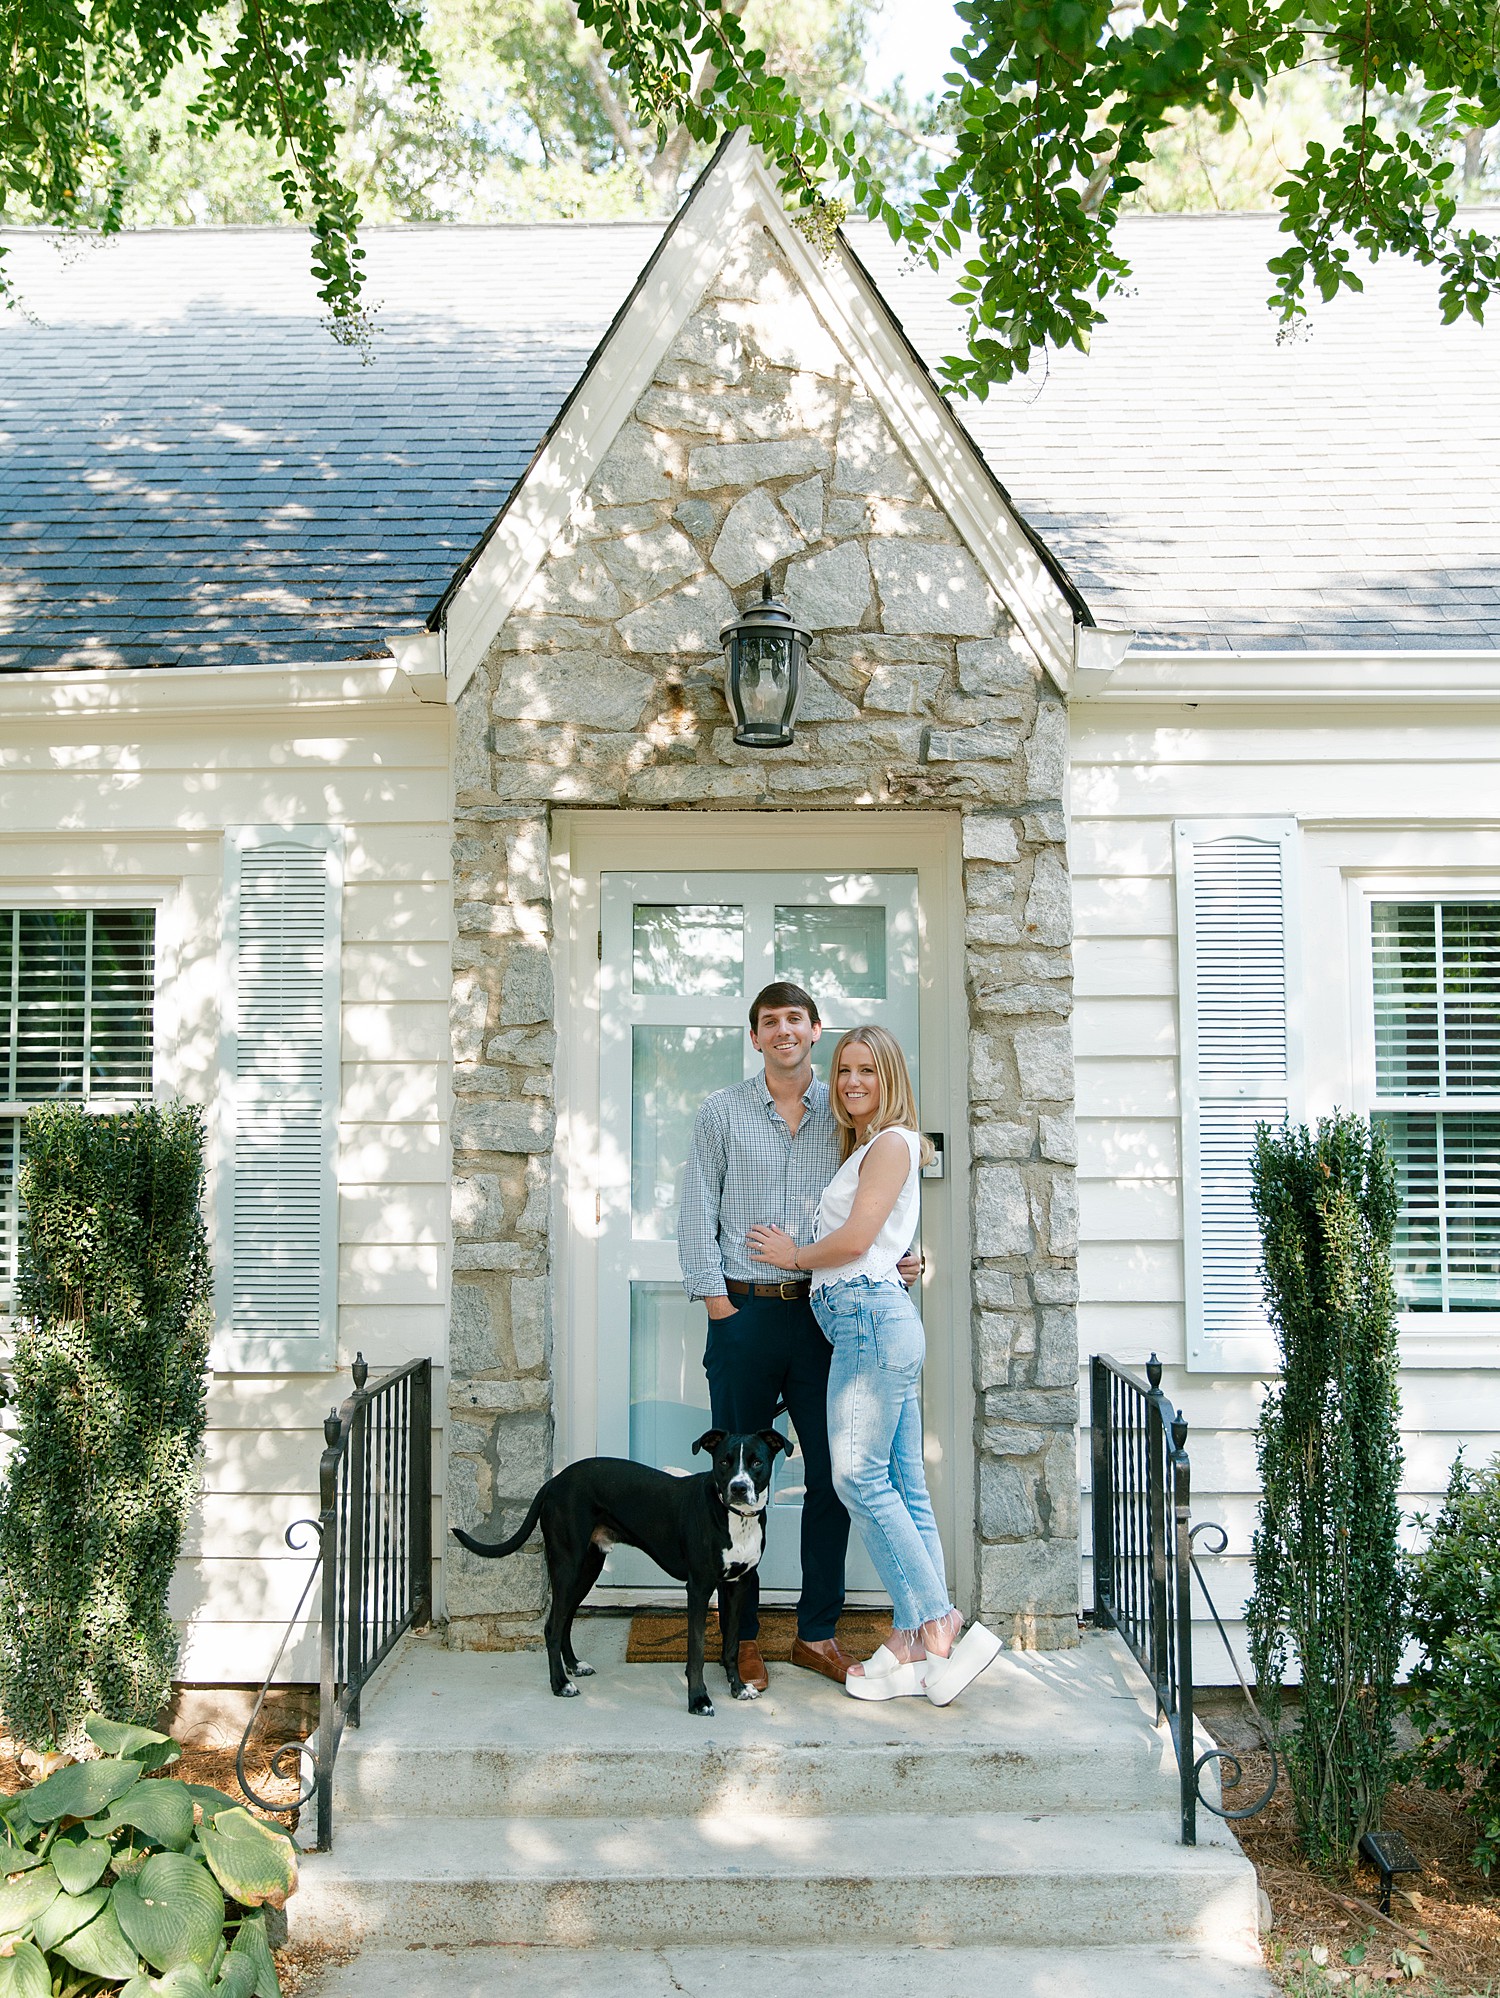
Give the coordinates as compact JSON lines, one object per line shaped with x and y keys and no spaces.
{"x":875,"y":1438}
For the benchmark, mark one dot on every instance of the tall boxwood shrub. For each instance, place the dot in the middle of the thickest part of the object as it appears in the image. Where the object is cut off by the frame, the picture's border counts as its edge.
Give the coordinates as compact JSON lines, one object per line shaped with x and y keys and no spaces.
{"x":1328,"y":1583}
{"x":109,"y":1394}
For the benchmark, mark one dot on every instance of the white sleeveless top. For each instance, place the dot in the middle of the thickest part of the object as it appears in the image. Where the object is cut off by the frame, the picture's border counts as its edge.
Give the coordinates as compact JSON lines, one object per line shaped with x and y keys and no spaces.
{"x":879,"y":1261}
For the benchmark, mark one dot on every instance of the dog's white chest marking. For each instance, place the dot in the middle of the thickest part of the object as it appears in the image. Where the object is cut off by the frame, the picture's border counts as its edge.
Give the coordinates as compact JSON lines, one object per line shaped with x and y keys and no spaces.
{"x":744,"y":1546}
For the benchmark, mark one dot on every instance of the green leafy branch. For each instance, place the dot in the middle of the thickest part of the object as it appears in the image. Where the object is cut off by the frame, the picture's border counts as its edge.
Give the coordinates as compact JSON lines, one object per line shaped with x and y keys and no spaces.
{"x":59,"y":154}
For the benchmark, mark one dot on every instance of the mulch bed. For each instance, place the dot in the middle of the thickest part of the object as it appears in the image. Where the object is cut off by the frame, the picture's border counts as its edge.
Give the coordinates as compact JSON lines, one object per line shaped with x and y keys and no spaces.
{"x":1449,"y":1917}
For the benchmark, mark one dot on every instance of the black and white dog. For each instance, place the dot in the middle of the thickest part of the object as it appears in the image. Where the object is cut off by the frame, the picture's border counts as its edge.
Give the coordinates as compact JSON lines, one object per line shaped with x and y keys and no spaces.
{"x":708,"y":1531}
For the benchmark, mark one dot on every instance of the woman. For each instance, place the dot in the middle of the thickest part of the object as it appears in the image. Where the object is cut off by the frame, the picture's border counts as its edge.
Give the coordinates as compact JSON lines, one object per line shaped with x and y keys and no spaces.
{"x":867,"y":1216}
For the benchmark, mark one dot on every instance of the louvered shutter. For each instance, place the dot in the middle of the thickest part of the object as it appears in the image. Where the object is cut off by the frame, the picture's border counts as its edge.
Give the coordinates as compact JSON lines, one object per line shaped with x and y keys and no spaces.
{"x":1240,"y":1067}
{"x":277,"y":1283}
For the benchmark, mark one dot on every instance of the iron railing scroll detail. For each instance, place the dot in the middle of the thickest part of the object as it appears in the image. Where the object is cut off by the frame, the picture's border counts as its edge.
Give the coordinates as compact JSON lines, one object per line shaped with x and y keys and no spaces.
{"x":1231,"y":1763}
{"x":374,"y":1557}
{"x":1145,"y":1560}
{"x":1142,"y":1495}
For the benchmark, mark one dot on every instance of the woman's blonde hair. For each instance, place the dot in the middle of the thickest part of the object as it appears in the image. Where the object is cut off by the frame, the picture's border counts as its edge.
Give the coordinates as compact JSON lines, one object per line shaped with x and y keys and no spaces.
{"x":898,"y":1105}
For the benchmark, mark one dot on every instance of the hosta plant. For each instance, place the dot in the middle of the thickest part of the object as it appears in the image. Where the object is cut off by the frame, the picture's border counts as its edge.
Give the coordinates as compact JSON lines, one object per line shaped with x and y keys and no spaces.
{"x":146,"y":1888}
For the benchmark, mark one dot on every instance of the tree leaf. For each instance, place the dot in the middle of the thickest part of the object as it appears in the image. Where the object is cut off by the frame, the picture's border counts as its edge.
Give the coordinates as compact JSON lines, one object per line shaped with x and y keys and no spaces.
{"x":80,"y":1791}
{"x":24,"y":1973}
{"x":253,"y":1861}
{"x":21,"y":1901}
{"x":163,"y":1811}
{"x":80,"y":1862}
{"x":172,"y":1911}
{"x":100,"y":1950}
{"x":66,"y":1916}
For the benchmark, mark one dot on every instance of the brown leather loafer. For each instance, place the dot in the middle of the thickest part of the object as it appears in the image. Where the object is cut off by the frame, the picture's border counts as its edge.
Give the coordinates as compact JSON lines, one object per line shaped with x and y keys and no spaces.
{"x":825,"y":1656}
{"x":753,"y":1666}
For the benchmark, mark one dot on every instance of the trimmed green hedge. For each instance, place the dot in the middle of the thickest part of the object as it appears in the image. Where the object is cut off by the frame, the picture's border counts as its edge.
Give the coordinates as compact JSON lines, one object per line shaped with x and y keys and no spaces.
{"x":1328,"y":1578}
{"x":109,"y":1391}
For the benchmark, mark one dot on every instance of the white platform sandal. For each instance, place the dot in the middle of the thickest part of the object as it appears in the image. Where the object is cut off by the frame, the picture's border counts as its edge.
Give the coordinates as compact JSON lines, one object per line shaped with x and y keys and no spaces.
{"x":947,"y":1677}
{"x":887,"y":1677}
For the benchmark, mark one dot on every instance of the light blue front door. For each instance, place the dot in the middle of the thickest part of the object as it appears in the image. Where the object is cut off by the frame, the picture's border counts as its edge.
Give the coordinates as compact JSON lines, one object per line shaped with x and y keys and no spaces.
{"x":681,"y":955}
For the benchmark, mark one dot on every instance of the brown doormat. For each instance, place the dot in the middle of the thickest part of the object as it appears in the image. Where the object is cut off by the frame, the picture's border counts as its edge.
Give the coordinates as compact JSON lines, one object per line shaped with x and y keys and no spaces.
{"x":659,"y":1637}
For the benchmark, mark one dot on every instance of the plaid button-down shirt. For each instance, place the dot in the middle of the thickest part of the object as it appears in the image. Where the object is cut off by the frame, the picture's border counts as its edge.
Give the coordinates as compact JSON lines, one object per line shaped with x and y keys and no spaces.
{"x":746,"y":1166}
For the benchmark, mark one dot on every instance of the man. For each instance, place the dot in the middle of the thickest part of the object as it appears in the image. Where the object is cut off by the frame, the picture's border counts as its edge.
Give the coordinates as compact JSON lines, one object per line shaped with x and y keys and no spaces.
{"x":763,"y":1150}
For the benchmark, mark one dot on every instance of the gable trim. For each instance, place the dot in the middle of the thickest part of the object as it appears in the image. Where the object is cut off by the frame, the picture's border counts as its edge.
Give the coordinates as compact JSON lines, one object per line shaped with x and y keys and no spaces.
{"x":1013,"y":560}
{"x":486,"y":589}
{"x":1028,"y":579}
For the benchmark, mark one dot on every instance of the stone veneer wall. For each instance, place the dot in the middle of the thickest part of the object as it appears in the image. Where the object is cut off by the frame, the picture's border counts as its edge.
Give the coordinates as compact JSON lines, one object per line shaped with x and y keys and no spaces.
{"x":755,"y":448}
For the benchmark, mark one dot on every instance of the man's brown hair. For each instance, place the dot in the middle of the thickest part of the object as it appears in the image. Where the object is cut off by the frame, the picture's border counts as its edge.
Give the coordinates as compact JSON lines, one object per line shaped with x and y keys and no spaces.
{"x":782,"y":994}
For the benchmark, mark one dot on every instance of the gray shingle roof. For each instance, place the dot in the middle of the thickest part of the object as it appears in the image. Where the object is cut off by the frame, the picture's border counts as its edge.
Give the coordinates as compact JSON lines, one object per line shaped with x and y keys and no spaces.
{"x":191,"y":471}
{"x":1207,"y":487}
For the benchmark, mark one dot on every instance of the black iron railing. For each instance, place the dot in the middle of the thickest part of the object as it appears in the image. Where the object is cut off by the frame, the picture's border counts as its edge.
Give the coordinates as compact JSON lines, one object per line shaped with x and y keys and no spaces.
{"x":1142,"y":1491}
{"x":374,"y":1555}
{"x":1145,"y":1560}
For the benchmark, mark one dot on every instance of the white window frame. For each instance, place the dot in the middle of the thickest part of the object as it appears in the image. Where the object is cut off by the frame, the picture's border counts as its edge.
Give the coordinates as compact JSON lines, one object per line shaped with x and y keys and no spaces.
{"x":1428,"y":1338}
{"x":160,"y":898}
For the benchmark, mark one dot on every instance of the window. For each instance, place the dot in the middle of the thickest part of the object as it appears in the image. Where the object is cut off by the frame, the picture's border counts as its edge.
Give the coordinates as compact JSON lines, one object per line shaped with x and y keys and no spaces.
{"x":76,"y":989}
{"x":1436,"y":999}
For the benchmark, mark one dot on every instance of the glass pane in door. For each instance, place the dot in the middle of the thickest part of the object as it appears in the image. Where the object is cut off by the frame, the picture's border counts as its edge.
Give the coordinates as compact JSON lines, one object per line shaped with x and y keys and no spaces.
{"x":833,"y":953}
{"x":672,"y":1070}
{"x":688,"y":950}
{"x":668,"y":1388}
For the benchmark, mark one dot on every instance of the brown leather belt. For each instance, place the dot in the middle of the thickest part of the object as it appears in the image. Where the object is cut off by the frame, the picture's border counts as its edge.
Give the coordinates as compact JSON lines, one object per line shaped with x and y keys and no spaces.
{"x":787,"y":1292}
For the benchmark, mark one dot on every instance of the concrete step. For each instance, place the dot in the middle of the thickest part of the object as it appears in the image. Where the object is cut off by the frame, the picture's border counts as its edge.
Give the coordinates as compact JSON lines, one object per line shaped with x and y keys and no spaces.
{"x":690,"y":1971}
{"x":740,"y":1877}
{"x":480,"y":1735}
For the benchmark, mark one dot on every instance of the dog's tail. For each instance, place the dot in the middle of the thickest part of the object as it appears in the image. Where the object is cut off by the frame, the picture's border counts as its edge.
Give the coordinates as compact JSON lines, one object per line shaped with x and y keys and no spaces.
{"x":517,"y":1539}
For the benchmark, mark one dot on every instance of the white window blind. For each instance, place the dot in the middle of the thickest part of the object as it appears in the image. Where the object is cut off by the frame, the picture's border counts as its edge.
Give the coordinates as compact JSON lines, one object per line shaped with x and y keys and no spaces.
{"x":1436,"y":999}
{"x":1239,"y":1068}
{"x":76,"y":999}
{"x":277,"y":1277}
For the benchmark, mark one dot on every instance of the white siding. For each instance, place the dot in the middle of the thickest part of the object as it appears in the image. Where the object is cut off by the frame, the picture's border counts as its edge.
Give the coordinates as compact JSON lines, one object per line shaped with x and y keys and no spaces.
{"x":1374,"y":792}
{"x":87,"y":804}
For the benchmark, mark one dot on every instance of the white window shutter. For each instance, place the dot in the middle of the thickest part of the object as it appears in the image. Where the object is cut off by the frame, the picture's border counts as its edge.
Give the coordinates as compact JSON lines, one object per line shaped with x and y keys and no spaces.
{"x":1240,"y":1066}
{"x":277,"y":1234}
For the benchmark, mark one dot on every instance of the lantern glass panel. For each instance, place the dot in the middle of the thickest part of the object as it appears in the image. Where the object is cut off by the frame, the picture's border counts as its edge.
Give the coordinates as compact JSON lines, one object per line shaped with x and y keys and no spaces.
{"x":763,"y":660}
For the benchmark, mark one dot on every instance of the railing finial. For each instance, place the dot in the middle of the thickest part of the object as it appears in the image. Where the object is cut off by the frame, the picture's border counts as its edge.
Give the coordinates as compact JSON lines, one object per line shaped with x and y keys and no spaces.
{"x":1153,"y":1371}
{"x":331,"y":1427}
{"x":360,"y":1370}
{"x":1179,"y":1430}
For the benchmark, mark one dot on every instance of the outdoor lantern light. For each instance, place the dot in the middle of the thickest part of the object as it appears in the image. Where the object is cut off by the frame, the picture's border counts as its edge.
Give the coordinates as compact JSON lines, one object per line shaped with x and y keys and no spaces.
{"x":763,"y":656}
